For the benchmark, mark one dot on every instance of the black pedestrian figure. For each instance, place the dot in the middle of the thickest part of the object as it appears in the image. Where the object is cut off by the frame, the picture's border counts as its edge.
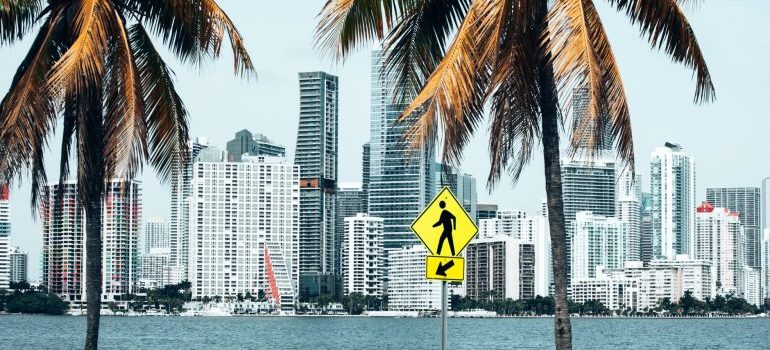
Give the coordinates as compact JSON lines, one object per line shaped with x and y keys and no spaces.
{"x":449,"y":223}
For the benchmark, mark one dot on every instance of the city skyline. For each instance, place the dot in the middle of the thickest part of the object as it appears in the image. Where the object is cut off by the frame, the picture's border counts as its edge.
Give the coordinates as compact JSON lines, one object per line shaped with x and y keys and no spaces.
{"x":273,"y":98}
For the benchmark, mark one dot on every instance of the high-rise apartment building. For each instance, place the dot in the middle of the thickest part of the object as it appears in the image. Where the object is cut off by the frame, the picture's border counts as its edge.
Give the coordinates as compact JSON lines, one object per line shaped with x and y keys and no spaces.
{"x":400,"y":181}
{"x":254,"y":145}
{"x":64,"y":255}
{"x":597,"y":241}
{"x":719,"y":238}
{"x":316,"y":156}
{"x":645,"y":228}
{"x":628,"y":210}
{"x":153,"y":269}
{"x":745,"y":201}
{"x":5,"y":240}
{"x":765,"y":271}
{"x":500,"y":267}
{"x":750,"y":288}
{"x":672,"y":184}
{"x":365,"y":169}
{"x":19,"y":263}
{"x":351,"y":200}
{"x":408,"y":290}
{"x":765,"y":206}
{"x":244,"y":227}
{"x":463,"y":186}
{"x":181,"y":190}
{"x":155,"y":235}
{"x":363,"y":255}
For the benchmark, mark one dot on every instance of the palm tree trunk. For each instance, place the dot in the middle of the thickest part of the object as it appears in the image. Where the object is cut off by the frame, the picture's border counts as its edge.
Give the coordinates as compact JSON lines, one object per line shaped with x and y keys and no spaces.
{"x":553,"y":189}
{"x":93,"y":265}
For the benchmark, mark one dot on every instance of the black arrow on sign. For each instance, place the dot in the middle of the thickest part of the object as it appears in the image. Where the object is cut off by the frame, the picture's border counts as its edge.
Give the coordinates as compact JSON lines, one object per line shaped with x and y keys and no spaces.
{"x":441,"y":270}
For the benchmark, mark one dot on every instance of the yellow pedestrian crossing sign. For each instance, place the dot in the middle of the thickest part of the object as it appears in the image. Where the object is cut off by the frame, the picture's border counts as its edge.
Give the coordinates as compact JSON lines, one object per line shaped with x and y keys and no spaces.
{"x":444,"y":227}
{"x":445,"y":268}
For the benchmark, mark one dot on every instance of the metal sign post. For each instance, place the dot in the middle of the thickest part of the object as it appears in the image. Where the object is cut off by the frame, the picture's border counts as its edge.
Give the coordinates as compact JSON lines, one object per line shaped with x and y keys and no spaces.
{"x":444,"y":225}
{"x":443,"y":314}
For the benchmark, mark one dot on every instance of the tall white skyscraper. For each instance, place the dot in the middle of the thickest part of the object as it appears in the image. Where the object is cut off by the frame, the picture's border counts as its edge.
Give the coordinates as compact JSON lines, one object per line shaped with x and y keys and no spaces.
{"x":363,"y":255}
{"x":719,"y":238}
{"x":400,"y":182}
{"x":181,"y":190}
{"x":672,"y":179}
{"x":19,"y":265}
{"x":765,"y":271}
{"x":64,"y":253}
{"x":244,"y":227}
{"x":5,"y":232}
{"x":628,"y":210}
{"x":597,"y":241}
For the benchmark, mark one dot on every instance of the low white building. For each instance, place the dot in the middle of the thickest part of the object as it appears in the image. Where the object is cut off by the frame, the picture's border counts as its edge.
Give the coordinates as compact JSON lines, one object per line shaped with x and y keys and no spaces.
{"x":640,"y":288}
{"x":153,"y":268}
{"x":408,"y":290}
{"x":362,"y":255}
{"x":695,"y":275}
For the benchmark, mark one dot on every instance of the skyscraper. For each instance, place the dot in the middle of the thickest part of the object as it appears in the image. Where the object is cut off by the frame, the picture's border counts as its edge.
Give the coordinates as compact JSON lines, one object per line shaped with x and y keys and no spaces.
{"x":244,"y":227}
{"x":363,"y":255}
{"x":316,"y":156}
{"x":181,"y":190}
{"x":588,"y":184}
{"x":350,"y":202}
{"x":745,"y":201}
{"x":672,"y":184}
{"x":462,"y":185}
{"x":765,"y":207}
{"x":19,"y":265}
{"x":597,"y":241}
{"x":719,"y":239}
{"x":5,"y":232}
{"x":254,"y":145}
{"x":628,"y":210}
{"x":155,"y":235}
{"x":63,"y":226}
{"x":645,"y":230}
{"x":365,"y":178}
{"x":400,"y":181}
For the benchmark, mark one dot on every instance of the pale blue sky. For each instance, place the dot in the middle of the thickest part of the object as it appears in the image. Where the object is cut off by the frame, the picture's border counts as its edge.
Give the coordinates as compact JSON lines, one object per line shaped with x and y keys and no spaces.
{"x":729,"y":138}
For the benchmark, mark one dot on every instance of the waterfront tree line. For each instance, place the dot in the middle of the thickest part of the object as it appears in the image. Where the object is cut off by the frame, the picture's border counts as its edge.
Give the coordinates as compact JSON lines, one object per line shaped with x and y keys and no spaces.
{"x":687,"y":305}
{"x":23,"y":298}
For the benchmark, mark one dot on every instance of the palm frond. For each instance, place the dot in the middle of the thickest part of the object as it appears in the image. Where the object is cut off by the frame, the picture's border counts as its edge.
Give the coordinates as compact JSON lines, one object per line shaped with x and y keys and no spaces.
{"x":348,"y":24}
{"x":667,"y":27}
{"x":513,"y":92}
{"x":82,"y":66}
{"x":583,"y":60}
{"x":17,"y":17}
{"x":194,"y":30}
{"x":126,"y":131}
{"x":417,"y":43}
{"x":165,"y":114}
{"x":26,"y":111}
{"x":453,"y":95}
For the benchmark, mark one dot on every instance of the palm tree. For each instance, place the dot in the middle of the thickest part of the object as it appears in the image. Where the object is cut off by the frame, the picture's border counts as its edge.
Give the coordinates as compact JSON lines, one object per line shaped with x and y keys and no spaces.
{"x":451,"y":59}
{"x":93,"y":65}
